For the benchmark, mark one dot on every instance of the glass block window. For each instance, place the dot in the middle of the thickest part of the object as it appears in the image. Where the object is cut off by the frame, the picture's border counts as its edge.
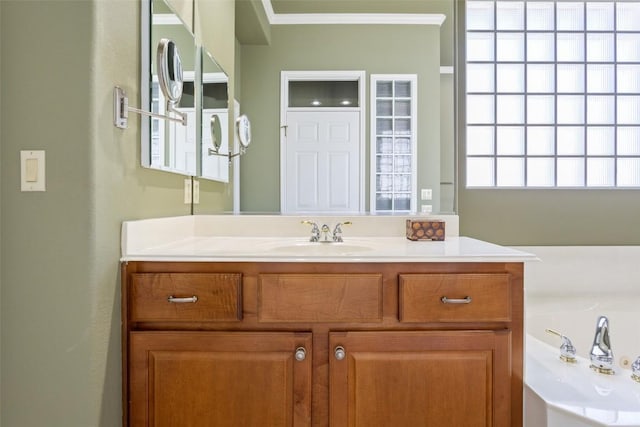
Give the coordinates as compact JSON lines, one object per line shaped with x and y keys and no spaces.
{"x":552,"y":94}
{"x":393,"y":142}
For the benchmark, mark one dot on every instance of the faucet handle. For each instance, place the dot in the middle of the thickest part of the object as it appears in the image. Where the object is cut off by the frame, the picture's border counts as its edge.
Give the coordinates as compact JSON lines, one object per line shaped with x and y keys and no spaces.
{"x":567,"y":350}
{"x":337,"y":231}
{"x":315,"y":231}
{"x":635,"y":370}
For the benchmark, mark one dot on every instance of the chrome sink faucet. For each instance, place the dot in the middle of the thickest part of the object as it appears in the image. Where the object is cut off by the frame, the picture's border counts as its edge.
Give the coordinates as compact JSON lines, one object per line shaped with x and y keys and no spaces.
{"x":601,"y":354}
{"x":337,"y":231}
{"x":315,"y":231}
{"x":321,"y":234}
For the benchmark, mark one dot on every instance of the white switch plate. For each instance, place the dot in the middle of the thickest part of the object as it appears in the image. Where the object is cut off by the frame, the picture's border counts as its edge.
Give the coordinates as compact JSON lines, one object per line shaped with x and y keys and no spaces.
{"x":426,"y":194}
{"x":196,"y":191}
{"x":187,"y":191}
{"x":426,"y":209}
{"x":32,"y":170}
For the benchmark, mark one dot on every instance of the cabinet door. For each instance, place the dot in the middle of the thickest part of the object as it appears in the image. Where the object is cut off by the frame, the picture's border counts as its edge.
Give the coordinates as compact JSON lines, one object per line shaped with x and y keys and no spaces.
{"x":430,"y":379}
{"x":220,"y":379}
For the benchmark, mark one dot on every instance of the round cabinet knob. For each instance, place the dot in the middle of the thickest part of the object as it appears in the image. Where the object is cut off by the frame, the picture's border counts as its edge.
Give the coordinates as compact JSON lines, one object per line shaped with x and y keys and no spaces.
{"x":301,"y":354}
{"x":339,"y":353}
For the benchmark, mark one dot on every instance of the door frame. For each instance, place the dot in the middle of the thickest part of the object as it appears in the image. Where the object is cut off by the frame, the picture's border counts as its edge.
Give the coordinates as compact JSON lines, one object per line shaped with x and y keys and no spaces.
{"x":360,"y":77}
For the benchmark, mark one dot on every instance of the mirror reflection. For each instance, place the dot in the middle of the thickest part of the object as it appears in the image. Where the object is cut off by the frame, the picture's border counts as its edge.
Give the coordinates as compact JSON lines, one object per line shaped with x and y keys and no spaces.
{"x":169,"y":145}
{"x":215,"y":120}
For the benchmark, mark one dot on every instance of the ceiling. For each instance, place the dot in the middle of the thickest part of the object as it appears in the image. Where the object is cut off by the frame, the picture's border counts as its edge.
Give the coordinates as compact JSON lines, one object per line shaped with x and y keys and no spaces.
{"x":360,"y":6}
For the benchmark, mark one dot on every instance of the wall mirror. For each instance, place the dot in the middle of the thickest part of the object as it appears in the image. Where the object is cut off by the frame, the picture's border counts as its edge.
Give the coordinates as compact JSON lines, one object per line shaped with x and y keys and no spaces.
{"x":167,"y":145}
{"x":215,"y":116}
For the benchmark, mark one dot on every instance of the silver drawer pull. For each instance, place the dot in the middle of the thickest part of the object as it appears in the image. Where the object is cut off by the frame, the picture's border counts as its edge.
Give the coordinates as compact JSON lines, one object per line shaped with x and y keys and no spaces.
{"x":182,"y":300}
{"x":465,"y":300}
{"x":301,"y":354}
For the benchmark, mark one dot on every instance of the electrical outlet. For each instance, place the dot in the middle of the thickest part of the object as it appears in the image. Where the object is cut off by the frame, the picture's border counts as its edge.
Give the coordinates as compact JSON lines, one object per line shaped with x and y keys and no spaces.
{"x":188,"y":193}
{"x":426,"y":209}
{"x":426,"y":194}
{"x":196,"y":191}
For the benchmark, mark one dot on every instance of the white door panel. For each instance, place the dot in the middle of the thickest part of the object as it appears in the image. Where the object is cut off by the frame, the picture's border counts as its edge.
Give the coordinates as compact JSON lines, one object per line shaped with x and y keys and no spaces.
{"x":322,"y":162}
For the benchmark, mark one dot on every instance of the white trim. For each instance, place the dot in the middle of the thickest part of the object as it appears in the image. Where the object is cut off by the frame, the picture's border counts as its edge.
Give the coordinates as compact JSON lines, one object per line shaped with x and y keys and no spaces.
{"x":446,"y":70}
{"x":361,"y":77}
{"x":351,"y":18}
{"x":166,"y":19}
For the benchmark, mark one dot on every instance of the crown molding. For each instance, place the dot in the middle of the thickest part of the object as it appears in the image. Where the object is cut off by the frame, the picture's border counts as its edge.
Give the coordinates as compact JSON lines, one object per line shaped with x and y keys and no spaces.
{"x":351,"y":18}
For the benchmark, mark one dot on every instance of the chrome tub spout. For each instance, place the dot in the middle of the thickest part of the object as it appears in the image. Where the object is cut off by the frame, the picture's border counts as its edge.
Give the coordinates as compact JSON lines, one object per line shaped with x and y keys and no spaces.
{"x":601,"y":354}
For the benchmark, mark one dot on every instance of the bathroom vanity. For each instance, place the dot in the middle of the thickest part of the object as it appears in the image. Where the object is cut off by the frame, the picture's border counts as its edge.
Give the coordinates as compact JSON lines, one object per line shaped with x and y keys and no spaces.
{"x":287,"y":334}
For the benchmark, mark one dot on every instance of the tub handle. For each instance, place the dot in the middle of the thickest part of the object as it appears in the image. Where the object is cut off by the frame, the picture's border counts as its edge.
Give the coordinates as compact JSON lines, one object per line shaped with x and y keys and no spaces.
{"x":465,"y":300}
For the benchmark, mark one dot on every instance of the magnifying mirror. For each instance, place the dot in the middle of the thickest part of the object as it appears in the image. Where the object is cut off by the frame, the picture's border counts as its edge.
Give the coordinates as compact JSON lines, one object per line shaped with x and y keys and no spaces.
{"x":216,"y":132}
{"x":243,"y":128}
{"x":169,"y":67}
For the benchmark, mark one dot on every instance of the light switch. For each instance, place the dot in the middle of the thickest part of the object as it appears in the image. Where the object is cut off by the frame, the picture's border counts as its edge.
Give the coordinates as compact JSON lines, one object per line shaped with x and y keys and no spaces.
{"x":32,"y":175}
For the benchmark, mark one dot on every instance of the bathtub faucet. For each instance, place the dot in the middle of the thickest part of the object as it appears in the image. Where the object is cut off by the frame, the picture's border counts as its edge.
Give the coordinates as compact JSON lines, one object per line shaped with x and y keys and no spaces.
{"x":601,"y":354}
{"x":567,"y":350}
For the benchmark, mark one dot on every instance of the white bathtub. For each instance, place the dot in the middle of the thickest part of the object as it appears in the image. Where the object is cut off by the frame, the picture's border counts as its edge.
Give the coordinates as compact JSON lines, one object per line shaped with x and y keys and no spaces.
{"x":568,"y":291}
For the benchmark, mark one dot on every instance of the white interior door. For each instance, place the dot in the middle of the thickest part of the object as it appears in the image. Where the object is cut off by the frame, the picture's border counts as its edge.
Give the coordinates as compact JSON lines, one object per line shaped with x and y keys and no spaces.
{"x":322,"y":161}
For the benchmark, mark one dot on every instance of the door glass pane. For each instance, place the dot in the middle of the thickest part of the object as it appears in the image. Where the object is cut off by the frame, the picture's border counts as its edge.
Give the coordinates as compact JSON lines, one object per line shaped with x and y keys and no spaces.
{"x":384,"y":126}
{"x":384,"y":145}
{"x":384,"y":107}
{"x":323,"y":93}
{"x":402,"y":108}
{"x":403,"y":146}
{"x":384,"y":89}
{"x":402,"y":164}
{"x":402,"y":127}
{"x":384,"y":164}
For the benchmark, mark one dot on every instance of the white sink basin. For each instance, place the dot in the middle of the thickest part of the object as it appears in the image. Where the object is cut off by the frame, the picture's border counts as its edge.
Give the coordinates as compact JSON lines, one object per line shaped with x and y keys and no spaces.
{"x":319,"y":249}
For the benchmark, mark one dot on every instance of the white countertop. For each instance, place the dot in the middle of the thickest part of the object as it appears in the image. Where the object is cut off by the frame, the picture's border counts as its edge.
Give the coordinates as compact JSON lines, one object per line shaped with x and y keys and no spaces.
{"x":266,"y":238}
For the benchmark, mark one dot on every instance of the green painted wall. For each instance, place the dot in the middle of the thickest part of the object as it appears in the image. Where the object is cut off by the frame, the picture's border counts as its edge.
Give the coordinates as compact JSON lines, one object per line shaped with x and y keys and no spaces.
{"x":60,"y":249}
{"x":373,"y":48}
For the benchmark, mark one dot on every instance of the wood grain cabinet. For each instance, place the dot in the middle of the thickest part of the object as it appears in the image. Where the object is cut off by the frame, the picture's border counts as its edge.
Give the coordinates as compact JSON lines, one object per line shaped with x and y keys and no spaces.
{"x":318,"y":344}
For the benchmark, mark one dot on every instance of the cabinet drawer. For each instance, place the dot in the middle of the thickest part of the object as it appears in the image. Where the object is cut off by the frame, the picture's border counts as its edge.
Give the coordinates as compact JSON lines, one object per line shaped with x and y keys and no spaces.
{"x":320,"y":298}
{"x":185,"y":297}
{"x":455,"y":298}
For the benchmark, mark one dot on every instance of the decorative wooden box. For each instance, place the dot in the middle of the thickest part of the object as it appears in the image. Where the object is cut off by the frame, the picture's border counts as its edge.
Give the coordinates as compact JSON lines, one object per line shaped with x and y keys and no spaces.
{"x":421,"y":229}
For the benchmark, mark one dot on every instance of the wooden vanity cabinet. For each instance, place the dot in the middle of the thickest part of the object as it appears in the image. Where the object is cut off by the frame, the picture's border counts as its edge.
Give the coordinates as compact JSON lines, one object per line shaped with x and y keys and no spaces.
{"x":320,"y":344}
